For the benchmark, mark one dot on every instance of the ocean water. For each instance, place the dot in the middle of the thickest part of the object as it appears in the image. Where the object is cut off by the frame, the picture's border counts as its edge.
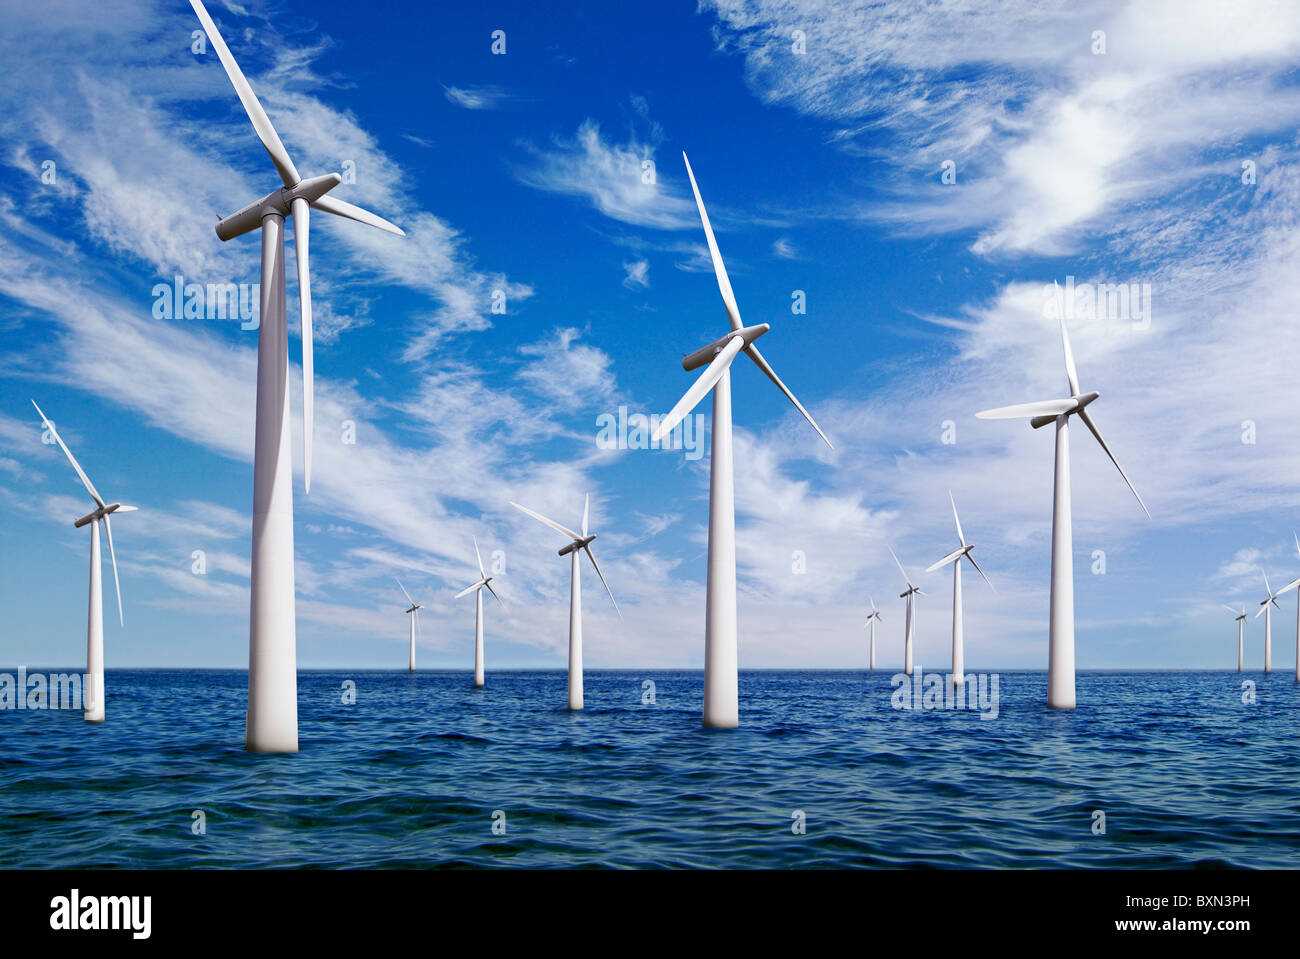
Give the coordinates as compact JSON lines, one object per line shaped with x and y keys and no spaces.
{"x":1186,"y":774}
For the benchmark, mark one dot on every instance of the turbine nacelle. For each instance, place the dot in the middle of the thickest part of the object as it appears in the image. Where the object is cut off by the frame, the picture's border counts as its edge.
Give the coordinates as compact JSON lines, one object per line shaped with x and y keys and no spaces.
{"x":279,"y":201}
{"x":705,"y":354}
{"x":579,"y":543}
{"x":1081,"y":401}
{"x":101,"y":513}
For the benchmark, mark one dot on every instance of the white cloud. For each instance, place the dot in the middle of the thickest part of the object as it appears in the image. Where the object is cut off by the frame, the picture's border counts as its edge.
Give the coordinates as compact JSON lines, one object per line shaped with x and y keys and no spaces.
{"x":488,"y":97}
{"x":638,"y":274}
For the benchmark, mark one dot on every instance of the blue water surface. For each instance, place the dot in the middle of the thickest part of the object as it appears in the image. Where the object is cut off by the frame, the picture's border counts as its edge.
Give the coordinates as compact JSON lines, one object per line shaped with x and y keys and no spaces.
{"x":412,"y":774}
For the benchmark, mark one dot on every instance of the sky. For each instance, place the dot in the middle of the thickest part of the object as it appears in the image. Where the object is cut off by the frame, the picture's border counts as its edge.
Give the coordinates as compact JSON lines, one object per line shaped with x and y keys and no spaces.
{"x":915,"y":175}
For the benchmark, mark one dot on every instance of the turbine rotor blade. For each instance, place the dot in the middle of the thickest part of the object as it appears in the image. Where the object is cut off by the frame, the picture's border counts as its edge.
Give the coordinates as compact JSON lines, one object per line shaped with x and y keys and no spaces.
{"x":960,"y":536}
{"x":708,"y":379}
{"x":85,"y":480}
{"x":586,"y":508}
{"x":1087,"y":421}
{"x":332,"y":204}
{"x":301,"y":229}
{"x":108,"y":530}
{"x":470,"y":589}
{"x":1288,"y":587}
{"x":261,"y":122}
{"x":494,"y":593}
{"x":549,"y":522}
{"x":1071,"y":374}
{"x":403,"y":589}
{"x":946,"y":560}
{"x":900,"y":566}
{"x":719,"y":270}
{"x":980,"y":571}
{"x":592,"y":556}
{"x":752,"y":352}
{"x":1266,"y":586}
{"x":479,"y":556}
{"x":1230,"y":609}
{"x":1036,"y":408}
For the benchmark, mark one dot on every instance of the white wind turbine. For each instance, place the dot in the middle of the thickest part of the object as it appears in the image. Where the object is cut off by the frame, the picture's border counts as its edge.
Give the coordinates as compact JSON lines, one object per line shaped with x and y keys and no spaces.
{"x":414,"y":614}
{"x":955,"y":557}
{"x":93,"y":694}
{"x":484,"y":582}
{"x":721,"y":691}
{"x":272,"y":721}
{"x":910,"y":595}
{"x":1241,"y":633}
{"x":578,"y":543}
{"x":871,"y":622}
{"x":1267,"y":611}
{"x":1060,"y":654}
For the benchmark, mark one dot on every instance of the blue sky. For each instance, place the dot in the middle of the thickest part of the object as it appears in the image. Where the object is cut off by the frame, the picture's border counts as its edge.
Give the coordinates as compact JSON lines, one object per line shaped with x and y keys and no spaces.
{"x":522,"y":172}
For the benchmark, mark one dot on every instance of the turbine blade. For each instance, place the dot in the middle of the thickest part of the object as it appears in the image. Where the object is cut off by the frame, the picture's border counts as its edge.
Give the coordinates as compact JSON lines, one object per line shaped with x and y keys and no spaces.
{"x":1087,"y":421}
{"x":549,"y":522}
{"x":900,"y":566}
{"x":945,"y":561}
{"x":1071,"y":373}
{"x":1262,"y":606}
{"x":494,"y":593}
{"x":1288,"y":587}
{"x":85,"y":480}
{"x":479,"y":556}
{"x":1036,"y":408}
{"x":1230,"y":609}
{"x":332,"y":204}
{"x":301,"y":229}
{"x":980,"y":571}
{"x":1297,"y":542}
{"x":126,"y":509}
{"x":873,"y":603}
{"x":724,"y":284}
{"x":261,"y":122}
{"x":708,"y":379}
{"x":1266,"y":586}
{"x":403,"y":589}
{"x":592,"y":556}
{"x":108,"y":530}
{"x":752,"y":352}
{"x":957,"y":518}
{"x":469,"y":589}
{"x":586,"y":508}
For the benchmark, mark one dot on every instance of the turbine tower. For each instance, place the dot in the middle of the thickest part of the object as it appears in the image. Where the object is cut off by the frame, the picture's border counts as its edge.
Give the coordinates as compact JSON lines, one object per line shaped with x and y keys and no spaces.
{"x":272,"y":720}
{"x":578,"y":543}
{"x":1241,"y":633}
{"x":1060,"y":650}
{"x":910,"y":595}
{"x":871,"y":622}
{"x":93,"y":694}
{"x":414,"y":613}
{"x":1267,"y":610}
{"x":955,"y":557}
{"x":484,"y":582}
{"x":721,"y":687}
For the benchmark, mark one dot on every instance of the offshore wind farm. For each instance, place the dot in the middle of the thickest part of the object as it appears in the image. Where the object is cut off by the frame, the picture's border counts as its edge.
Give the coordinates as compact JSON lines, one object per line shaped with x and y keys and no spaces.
{"x":744,"y":703}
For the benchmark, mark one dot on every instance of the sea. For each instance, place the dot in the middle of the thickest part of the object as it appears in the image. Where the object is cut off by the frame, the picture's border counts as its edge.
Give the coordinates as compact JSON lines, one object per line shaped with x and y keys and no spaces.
{"x":827,"y":770}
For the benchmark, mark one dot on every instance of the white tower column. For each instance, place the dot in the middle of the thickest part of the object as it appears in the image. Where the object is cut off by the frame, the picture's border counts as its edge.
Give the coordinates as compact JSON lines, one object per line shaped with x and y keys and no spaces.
{"x":1241,"y":643}
{"x":478,"y":638}
{"x":1060,"y":650}
{"x":958,"y":653}
{"x":575,"y":634}
{"x":873,"y":643}
{"x":93,"y":694}
{"x":411,"y":666}
{"x":272,"y":724}
{"x":907,"y":645}
{"x":721,"y":680}
{"x":1268,"y":637}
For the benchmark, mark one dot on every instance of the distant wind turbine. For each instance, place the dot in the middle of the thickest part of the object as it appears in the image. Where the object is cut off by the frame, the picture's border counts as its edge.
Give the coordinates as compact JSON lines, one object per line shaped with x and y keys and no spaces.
{"x":1267,"y":610}
{"x":871,"y":622}
{"x":578,"y":543}
{"x":272,"y":722}
{"x":1297,"y":616}
{"x":1060,"y":654}
{"x":1241,"y":633}
{"x":484,"y":582}
{"x":721,"y":693}
{"x":910,"y":595}
{"x":93,"y":694}
{"x":414,"y":614}
{"x":955,"y":557}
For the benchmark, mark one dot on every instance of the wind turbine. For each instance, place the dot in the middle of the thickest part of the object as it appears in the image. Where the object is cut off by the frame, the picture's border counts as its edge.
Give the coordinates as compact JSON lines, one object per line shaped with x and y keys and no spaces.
{"x":485,"y":581}
{"x":909,"y":595}
{"x":272,"y":721}
{"x":871,"y":622}
{"x":1241,"y":633}
{"x":579,"y":543}
{"x":93,"y":695}
{"x":1267,"y":605}
{"x":414,"y":613}
{"x":955,"y":557}
{"x":721,"y":690}
{"x":1060,"y":650}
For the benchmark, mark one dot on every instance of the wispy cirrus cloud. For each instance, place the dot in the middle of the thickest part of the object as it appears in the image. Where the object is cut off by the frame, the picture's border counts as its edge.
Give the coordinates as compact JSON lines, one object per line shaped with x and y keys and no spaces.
{"x":488,"y":97}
